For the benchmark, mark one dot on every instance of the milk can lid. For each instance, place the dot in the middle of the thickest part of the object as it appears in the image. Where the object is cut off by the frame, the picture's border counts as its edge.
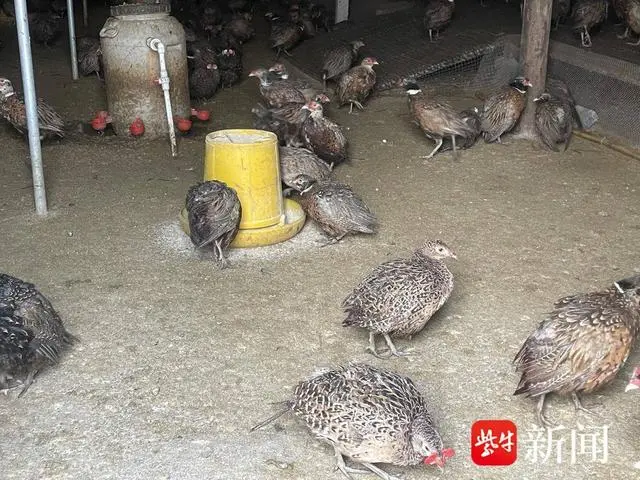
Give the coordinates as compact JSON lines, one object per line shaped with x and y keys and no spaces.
{"x":141,"y":7}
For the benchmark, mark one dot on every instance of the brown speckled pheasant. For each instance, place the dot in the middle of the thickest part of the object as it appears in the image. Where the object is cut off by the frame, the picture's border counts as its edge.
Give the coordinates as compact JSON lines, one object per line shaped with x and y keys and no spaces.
{"x":399,"y":297}
{"x":280,"y":72}
{"x":323,"y":136}
{"x":559,"y":89}
{"x":32,"y":335}
{"x":339,"y":59}
{"x":334,"y":207}
{"x":277,"y":93}
{"x":368,"y":415}
{"x":472,"y":118}
{"x":13,"y":110}
{"x":502,"y":110}
{"x":89,"y":56}
{"x":436,"y":118}
{"x":286,"y":121}
{"x":285,"y":36}
{"x":438,"y":15}
{"x":355,"y":85}
{"x":554,"y":121}
{"x":300,"y":161}
{"x":581,"y":345}
{"x":204,"y":77}
{"x":629,"y":12}
{"x":214,"y":217}
{"x":586,"y":15}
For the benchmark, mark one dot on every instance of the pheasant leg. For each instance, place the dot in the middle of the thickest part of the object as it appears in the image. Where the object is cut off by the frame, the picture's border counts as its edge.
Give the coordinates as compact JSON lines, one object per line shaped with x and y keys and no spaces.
{"x":381,"y":473}
{"x":393,"y":351}
{"x":372,"y":346}
{"x":27,"y":382}
{"x":586,"y":38}
{"x":224,"y":263}
{"x":624,"y":35}
{"x":437,"y":147}
{"x":358,"y":104}
{"x":580,"y":407}
{"x":542,"y":420}
{"x":635,"y":44}
{"x":343,"y":466}
{"x":333,"y":240}
{"x":453,"y":143}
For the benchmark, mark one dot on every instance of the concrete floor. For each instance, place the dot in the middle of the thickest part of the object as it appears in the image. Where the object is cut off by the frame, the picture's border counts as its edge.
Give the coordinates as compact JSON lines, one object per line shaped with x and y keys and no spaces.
{"x":177,"y":360}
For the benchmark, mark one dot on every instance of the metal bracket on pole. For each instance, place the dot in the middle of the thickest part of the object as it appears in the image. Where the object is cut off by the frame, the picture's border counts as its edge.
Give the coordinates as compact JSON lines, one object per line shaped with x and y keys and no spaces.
{"x":31,"y":106}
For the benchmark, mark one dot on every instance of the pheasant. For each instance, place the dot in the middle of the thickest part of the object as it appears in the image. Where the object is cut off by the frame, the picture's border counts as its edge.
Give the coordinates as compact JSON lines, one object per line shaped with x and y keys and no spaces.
{"x":581,"y":345}
{"x":356,"y":84}
{"x":13,"y":110}
{"x":502,"y":110}
{"x":399,"y":297}
{"x":32,"y":335}
{"x":370,"y":416}
{"x":214,"y":217}
{"x":339,"y":59}
{"x":334,"y":207}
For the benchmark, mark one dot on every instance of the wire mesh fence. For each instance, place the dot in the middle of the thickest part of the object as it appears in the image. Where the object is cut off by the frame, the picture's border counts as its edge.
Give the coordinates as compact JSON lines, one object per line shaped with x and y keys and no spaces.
{"x":609,"y":86}
{"x":479,"y":51}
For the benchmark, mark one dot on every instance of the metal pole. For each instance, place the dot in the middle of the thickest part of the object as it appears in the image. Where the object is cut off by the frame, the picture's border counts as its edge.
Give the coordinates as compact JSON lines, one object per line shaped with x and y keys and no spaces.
{"x":85,"y":13}
{"x":72,"y":40}
{"x":534,"y":51}
{"x":342,"y":11}
{"x":28,"y":85}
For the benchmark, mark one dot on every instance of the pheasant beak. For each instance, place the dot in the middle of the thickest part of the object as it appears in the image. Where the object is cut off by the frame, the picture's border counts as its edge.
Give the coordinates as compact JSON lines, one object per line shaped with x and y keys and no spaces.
{"x":634,"y":383}
{"x":375,"y":62}
{"x":435,"y":459}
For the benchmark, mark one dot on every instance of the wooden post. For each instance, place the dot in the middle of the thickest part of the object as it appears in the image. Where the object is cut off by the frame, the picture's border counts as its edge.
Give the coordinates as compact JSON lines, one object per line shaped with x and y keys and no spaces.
{"x":534,"y":51}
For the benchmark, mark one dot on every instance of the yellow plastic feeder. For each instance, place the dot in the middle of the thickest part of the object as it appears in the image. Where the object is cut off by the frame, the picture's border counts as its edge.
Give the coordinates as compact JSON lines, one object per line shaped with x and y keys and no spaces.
{"x":247,"y":161}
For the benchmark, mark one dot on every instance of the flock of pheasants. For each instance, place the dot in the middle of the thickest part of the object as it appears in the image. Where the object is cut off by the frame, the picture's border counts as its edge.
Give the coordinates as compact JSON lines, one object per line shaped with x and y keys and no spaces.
{"x":369,"y":415}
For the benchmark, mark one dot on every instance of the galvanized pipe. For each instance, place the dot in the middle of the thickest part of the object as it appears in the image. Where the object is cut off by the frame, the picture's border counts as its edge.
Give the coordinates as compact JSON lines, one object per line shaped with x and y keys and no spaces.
{"x":157,"y":46}
{"x":72,"y":40}
{"x":85,"y":13}
{"x":31,"y":105}
{"x":342,"y":11}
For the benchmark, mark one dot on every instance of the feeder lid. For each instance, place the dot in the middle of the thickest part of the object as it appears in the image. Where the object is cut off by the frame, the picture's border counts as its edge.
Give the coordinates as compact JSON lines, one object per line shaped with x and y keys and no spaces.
{"x":141,"y":7}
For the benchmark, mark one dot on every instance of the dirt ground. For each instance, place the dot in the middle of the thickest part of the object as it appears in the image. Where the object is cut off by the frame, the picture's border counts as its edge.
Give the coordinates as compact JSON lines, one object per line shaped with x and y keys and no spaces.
{"x":177,"y":360}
